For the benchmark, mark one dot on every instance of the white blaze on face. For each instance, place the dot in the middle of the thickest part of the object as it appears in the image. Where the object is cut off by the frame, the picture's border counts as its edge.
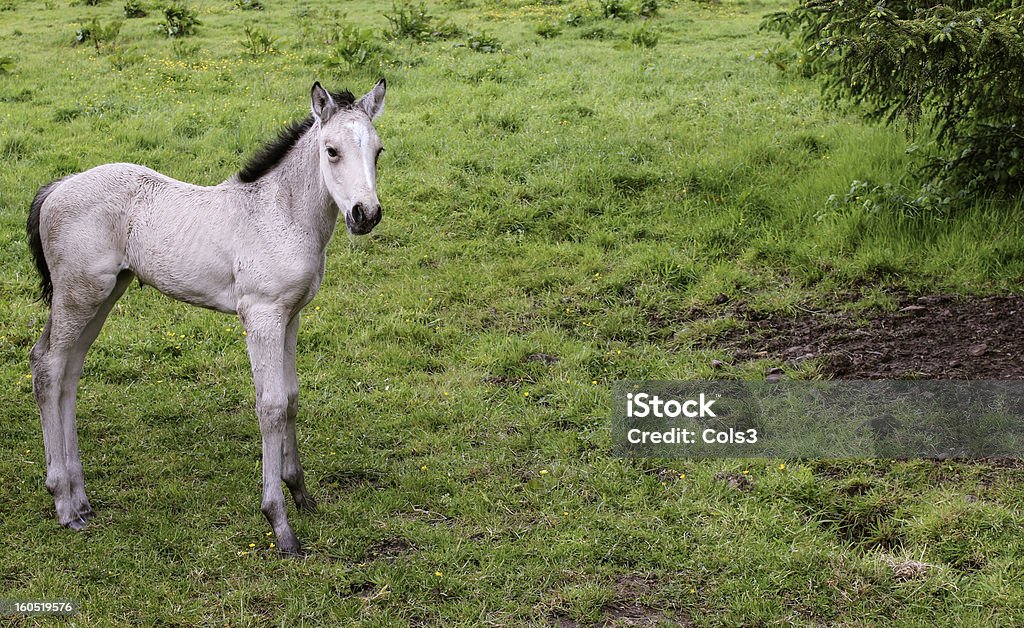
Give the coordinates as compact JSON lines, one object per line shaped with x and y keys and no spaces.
{"x":364,"y":137}
{"x":352,"y":177}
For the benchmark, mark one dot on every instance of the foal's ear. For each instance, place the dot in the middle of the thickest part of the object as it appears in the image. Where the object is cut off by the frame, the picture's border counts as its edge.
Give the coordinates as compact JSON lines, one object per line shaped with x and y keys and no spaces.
{"x":373,"y":102}
{"x":321,"y":103}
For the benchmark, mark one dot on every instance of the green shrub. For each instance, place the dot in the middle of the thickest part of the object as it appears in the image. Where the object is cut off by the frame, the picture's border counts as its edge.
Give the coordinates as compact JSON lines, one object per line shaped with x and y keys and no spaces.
{"x":575,"y":19}
{"x":615,"y":9}
{"x":410,"y":21}
{"x":647,"y":8}
{"x":179,"y":21}
{"x":97,"y":33}
{"x":133,"y":9}
{"x":257,"y":42}
{"x":356,"y":47}
{"x":249,"y":5}
{"x":643,"y":37}
{"x":549,"y":30}
{"x":483,"y":42}
{"x":6,"y":64}
{"x":959,"y":68}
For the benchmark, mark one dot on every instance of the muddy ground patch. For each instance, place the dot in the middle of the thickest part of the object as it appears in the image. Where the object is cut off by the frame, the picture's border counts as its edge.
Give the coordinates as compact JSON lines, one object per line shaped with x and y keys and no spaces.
{"x":926,"y":337}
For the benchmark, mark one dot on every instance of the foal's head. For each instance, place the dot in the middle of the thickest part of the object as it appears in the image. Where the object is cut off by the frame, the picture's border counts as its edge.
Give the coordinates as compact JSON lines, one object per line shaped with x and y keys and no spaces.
{"x":349,"y":147}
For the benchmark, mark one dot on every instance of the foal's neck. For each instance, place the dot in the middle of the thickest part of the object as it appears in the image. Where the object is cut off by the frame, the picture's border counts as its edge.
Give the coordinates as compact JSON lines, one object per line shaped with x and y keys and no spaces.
{"x":301,"y":194}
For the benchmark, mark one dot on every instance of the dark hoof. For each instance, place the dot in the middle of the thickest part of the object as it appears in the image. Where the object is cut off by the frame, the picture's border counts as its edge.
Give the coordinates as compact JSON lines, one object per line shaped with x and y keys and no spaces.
{"x":77,"y":524}
{"x":289,"y":546}
{"x":290,"y":552}
{"x":307,"y":504}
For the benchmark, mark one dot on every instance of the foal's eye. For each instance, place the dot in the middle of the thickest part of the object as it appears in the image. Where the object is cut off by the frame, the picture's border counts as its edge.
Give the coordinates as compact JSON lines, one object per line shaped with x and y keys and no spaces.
{"x":331,"y":152}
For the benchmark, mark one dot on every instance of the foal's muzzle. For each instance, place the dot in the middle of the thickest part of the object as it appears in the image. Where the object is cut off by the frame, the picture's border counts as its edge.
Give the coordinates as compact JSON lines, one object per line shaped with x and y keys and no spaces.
{"x":362,"y":219}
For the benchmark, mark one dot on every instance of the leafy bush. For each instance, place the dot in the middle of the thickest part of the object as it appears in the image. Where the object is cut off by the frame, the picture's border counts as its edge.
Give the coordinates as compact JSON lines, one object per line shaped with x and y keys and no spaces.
{"x":133,"y":9}
{"x":483,"y":42}
{"x":647,"y":8}
{"x":575,"y":19}
{"x":549,"y":30}
{"x":97,"y":33}
{"x":249,"y":5}
{"x":356,"y":47}
{"x":179,"y":21}
{"x":6,"y":64}
{"x":257,"y":42}
{"x":625,"y":10}
{"x":643,"y":37}
{"x":615,"y":9}
{"x":957,"y":67}
{"x":409,"y":21}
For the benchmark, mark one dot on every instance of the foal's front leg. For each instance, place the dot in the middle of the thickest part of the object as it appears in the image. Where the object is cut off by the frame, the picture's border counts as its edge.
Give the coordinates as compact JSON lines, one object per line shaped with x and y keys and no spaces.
{"x":292,"y":473}
{"x":265,"y":327}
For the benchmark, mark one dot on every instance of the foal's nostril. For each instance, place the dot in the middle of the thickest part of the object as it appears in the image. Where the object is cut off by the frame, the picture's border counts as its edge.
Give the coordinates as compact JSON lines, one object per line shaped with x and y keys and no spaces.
{"x":357,"y":213}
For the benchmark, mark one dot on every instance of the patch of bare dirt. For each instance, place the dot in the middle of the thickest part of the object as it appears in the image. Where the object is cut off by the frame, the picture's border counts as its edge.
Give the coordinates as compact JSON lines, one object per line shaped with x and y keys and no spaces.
{"x":907,"y":569}
{"x":391,"y":547}
{"x":736,"y":481}
{"x":627,"y":609}
{"x":928,"y":337}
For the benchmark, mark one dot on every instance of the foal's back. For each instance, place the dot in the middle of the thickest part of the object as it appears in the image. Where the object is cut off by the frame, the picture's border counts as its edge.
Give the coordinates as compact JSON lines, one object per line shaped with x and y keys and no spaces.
{"x":175,"y":236}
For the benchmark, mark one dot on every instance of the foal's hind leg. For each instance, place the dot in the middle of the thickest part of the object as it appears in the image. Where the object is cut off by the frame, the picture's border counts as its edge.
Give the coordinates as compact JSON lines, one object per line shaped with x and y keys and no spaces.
{"x":291,"y":469}
{"x":76,"y":315}
{"x":69,"y":394}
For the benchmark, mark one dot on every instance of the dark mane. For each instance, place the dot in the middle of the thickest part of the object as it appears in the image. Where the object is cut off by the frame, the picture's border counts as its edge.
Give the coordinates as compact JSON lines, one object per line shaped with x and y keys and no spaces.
{"x":274,"y":151}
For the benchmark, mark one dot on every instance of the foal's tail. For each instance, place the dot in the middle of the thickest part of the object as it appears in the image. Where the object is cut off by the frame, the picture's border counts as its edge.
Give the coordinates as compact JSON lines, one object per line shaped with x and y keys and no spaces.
{"x":35,"y":241}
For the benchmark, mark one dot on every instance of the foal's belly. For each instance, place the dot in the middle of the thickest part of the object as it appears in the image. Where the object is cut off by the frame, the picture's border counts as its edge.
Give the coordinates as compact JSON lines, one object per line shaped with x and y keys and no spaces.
{"x":195,"y":270}
{"x":210,"y":287}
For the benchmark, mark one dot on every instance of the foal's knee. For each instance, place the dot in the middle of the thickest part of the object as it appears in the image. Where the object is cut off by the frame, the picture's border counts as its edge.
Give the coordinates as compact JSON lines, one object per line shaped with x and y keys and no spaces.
{"x":41,"y":366}
{"x":272,"y":409}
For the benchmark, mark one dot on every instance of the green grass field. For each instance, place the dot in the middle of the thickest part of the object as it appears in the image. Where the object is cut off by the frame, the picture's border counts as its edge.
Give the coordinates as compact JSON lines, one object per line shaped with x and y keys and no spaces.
{"x":548,"y":206}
